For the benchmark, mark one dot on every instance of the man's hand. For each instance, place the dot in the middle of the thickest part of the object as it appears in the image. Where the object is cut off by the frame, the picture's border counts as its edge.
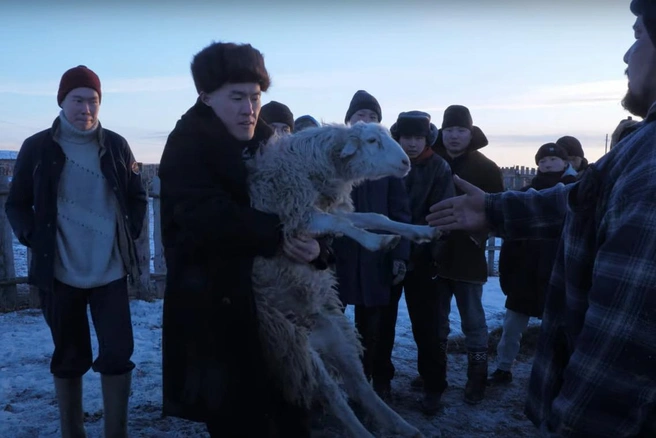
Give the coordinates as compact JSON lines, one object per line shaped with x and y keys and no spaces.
{"x":465,"y":212}
{"x":301,"y":249}
{"x":398,"y":271}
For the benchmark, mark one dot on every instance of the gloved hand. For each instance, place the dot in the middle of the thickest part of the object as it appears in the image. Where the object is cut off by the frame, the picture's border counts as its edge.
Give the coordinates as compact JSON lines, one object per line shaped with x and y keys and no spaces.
{"x":398,"y":271}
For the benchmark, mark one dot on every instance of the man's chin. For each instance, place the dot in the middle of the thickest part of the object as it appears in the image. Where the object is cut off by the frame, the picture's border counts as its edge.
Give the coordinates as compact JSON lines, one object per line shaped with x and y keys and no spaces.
{"x":635,"y":104}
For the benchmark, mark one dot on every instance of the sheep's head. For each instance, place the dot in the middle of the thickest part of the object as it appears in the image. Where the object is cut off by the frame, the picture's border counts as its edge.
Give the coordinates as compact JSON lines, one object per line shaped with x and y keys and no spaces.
{"x":370,"y":152}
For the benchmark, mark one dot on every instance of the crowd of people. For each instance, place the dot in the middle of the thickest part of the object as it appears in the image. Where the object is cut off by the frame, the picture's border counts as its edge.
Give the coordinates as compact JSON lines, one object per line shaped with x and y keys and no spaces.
{"x":579,"y":252}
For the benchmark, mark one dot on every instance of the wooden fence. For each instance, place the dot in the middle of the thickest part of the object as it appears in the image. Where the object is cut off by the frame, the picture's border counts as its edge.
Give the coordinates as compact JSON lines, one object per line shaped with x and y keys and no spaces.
{"x":16,"y":294}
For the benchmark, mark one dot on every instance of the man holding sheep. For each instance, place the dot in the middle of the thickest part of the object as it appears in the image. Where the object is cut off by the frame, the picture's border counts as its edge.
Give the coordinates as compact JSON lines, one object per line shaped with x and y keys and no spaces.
{"x":213,"y":367}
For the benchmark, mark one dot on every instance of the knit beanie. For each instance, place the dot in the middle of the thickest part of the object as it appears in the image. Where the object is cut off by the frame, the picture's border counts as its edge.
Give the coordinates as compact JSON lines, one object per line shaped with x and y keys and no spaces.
{"x":571,"y":145}
{"x":78,"y":77}
{"x":550,"y":150}
{"x":276,"y":112}
{"x":457,"y":115}
{"x":647,"y":10}
{"x":414,"y":123}
{"x":304,"y":122}
{"x":363,"y":100}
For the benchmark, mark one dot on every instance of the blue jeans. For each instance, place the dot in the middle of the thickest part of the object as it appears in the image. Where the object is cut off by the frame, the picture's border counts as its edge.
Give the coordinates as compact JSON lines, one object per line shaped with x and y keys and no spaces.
{"x":470,"y":306}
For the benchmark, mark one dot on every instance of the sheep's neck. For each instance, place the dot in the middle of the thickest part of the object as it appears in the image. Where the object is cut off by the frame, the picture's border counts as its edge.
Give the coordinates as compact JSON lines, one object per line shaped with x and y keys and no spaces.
{"x":331,"y":191}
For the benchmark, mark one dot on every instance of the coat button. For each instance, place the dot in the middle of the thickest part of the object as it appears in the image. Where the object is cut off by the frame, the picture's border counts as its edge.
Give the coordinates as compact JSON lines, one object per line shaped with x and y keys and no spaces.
{"x":226,"y":301}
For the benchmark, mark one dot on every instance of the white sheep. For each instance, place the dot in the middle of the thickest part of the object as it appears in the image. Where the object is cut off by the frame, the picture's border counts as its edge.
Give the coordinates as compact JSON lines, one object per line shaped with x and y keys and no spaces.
{"x":306,"y":179}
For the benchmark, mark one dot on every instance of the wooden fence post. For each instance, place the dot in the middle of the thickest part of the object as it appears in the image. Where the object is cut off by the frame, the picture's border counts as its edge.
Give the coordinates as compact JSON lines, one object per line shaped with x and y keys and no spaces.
{"x":141,"y":290}
{"x":9,"y":292}
{"x":159,"y":262}
{"x":491,"y":249}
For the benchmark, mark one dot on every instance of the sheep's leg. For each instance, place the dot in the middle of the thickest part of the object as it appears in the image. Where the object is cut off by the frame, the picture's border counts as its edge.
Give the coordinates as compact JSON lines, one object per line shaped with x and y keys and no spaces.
{"x":376,"y":221}
{"x":324,"y":223}
{"x":333,"y":396}
{"x":337,"y":342}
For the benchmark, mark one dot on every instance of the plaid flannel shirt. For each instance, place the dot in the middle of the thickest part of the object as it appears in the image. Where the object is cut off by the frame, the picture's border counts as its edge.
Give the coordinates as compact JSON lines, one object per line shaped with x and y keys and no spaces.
{"x":594,"y":372}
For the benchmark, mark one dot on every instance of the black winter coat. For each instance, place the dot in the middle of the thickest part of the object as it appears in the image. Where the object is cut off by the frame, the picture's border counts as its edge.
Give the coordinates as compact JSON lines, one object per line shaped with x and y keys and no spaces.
{"x":430,"y":181}
{"x":213,"y":366}
{"x":466,"y":259}
{"x":31,"y":206}
{"x":525,"y":265}
{"x":365,"y":277}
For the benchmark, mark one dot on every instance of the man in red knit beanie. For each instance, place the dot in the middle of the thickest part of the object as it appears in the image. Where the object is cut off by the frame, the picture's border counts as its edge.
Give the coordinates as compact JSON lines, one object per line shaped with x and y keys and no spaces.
{"x":80,"y":214}
{"x":78,"y":77}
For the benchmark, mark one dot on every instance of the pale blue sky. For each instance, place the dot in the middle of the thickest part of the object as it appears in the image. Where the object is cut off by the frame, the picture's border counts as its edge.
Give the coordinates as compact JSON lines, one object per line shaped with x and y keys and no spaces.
{"x":530,"y":71}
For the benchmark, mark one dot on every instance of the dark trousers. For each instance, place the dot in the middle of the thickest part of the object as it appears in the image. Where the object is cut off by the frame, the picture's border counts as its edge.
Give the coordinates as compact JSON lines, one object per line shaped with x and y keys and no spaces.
{"x":377,"y":327}
{"x":423,"y":301}
{"x":65,"y":312}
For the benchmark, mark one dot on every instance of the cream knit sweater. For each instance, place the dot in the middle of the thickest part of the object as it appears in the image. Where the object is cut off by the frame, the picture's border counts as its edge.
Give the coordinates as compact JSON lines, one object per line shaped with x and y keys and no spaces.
{"x":87,"y":252}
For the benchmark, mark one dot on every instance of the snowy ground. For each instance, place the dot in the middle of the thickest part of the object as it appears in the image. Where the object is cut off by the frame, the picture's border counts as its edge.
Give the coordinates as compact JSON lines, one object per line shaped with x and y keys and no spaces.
{"x":28,"y":407}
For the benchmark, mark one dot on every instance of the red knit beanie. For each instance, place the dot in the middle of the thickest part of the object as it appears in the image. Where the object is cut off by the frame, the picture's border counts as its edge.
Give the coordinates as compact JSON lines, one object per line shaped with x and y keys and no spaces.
{"x":77,"y":77}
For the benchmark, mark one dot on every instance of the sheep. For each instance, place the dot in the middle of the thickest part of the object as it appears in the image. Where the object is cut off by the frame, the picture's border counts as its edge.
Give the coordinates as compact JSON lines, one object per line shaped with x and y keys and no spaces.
{"x":306,"y":178}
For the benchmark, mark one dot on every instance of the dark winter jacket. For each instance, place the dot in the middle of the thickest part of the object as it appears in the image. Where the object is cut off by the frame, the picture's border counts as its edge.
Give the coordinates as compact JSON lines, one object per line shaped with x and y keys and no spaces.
{"x":31,"y":206}
{"x":466,"y":258}
{"x":365,"y":277}
{"x":525,"y":265}
{"x":213,"y":367}
{"x":429,"y":181}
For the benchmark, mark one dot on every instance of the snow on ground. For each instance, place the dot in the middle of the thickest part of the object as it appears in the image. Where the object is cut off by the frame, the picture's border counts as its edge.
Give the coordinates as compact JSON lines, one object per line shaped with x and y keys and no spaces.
{"x":28,"y":407}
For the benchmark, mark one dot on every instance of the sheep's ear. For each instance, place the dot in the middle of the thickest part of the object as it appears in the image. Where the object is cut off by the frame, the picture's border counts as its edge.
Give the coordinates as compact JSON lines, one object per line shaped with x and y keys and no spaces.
{"x":350,"y":148}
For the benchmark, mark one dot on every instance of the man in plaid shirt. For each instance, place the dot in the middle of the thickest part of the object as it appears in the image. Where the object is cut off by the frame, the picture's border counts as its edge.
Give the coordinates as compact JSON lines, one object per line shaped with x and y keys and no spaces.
{"x":594,"y":372}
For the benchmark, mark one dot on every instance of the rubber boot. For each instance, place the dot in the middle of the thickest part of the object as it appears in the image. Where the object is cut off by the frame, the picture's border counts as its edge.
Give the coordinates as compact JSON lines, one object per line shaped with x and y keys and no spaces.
{"x":116,"y":393}
{"x":476,"y":377}
{"x":69,"y":399}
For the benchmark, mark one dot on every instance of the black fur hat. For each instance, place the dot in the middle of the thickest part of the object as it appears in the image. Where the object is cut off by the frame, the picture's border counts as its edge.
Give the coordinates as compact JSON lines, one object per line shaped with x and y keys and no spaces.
{"x":221,"y":63}
{"x":414,"y":123}
{"x":550,"y":150}
{"x":647,"y":10}
{"x":276,"y":112}
{"x":363,"y":100}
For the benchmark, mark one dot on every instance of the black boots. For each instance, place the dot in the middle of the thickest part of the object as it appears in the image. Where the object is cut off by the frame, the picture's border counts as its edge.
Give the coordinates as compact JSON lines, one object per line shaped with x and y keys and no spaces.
{"x":476,"y":377}
{"x":69,"y":400}
{"x":499,"y":377}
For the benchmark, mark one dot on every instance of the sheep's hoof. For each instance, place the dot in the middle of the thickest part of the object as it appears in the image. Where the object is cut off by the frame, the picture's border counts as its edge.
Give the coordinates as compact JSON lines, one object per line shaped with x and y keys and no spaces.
{"x":424,"y":234}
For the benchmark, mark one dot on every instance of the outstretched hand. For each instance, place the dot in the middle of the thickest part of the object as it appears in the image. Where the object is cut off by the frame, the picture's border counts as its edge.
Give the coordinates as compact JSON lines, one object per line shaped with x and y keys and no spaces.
{"x":465,"y":212}
{"x":301,"y":249}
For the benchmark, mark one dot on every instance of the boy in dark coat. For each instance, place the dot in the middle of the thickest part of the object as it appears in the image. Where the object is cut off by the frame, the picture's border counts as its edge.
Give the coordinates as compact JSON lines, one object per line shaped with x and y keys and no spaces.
{"x":365,"y":278}
{"x":429,"y":181}
{"x":525,"y":267}
{"x":463,"y":270}
{"x":213,"y":367}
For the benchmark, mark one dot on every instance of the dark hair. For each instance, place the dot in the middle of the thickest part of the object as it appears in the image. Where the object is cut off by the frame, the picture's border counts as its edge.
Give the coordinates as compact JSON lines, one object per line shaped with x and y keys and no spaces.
{"x":220,"y":63}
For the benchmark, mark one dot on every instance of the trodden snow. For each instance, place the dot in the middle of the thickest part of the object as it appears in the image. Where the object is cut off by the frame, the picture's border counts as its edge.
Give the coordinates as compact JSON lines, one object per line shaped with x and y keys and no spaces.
{"x":28,"y":407}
